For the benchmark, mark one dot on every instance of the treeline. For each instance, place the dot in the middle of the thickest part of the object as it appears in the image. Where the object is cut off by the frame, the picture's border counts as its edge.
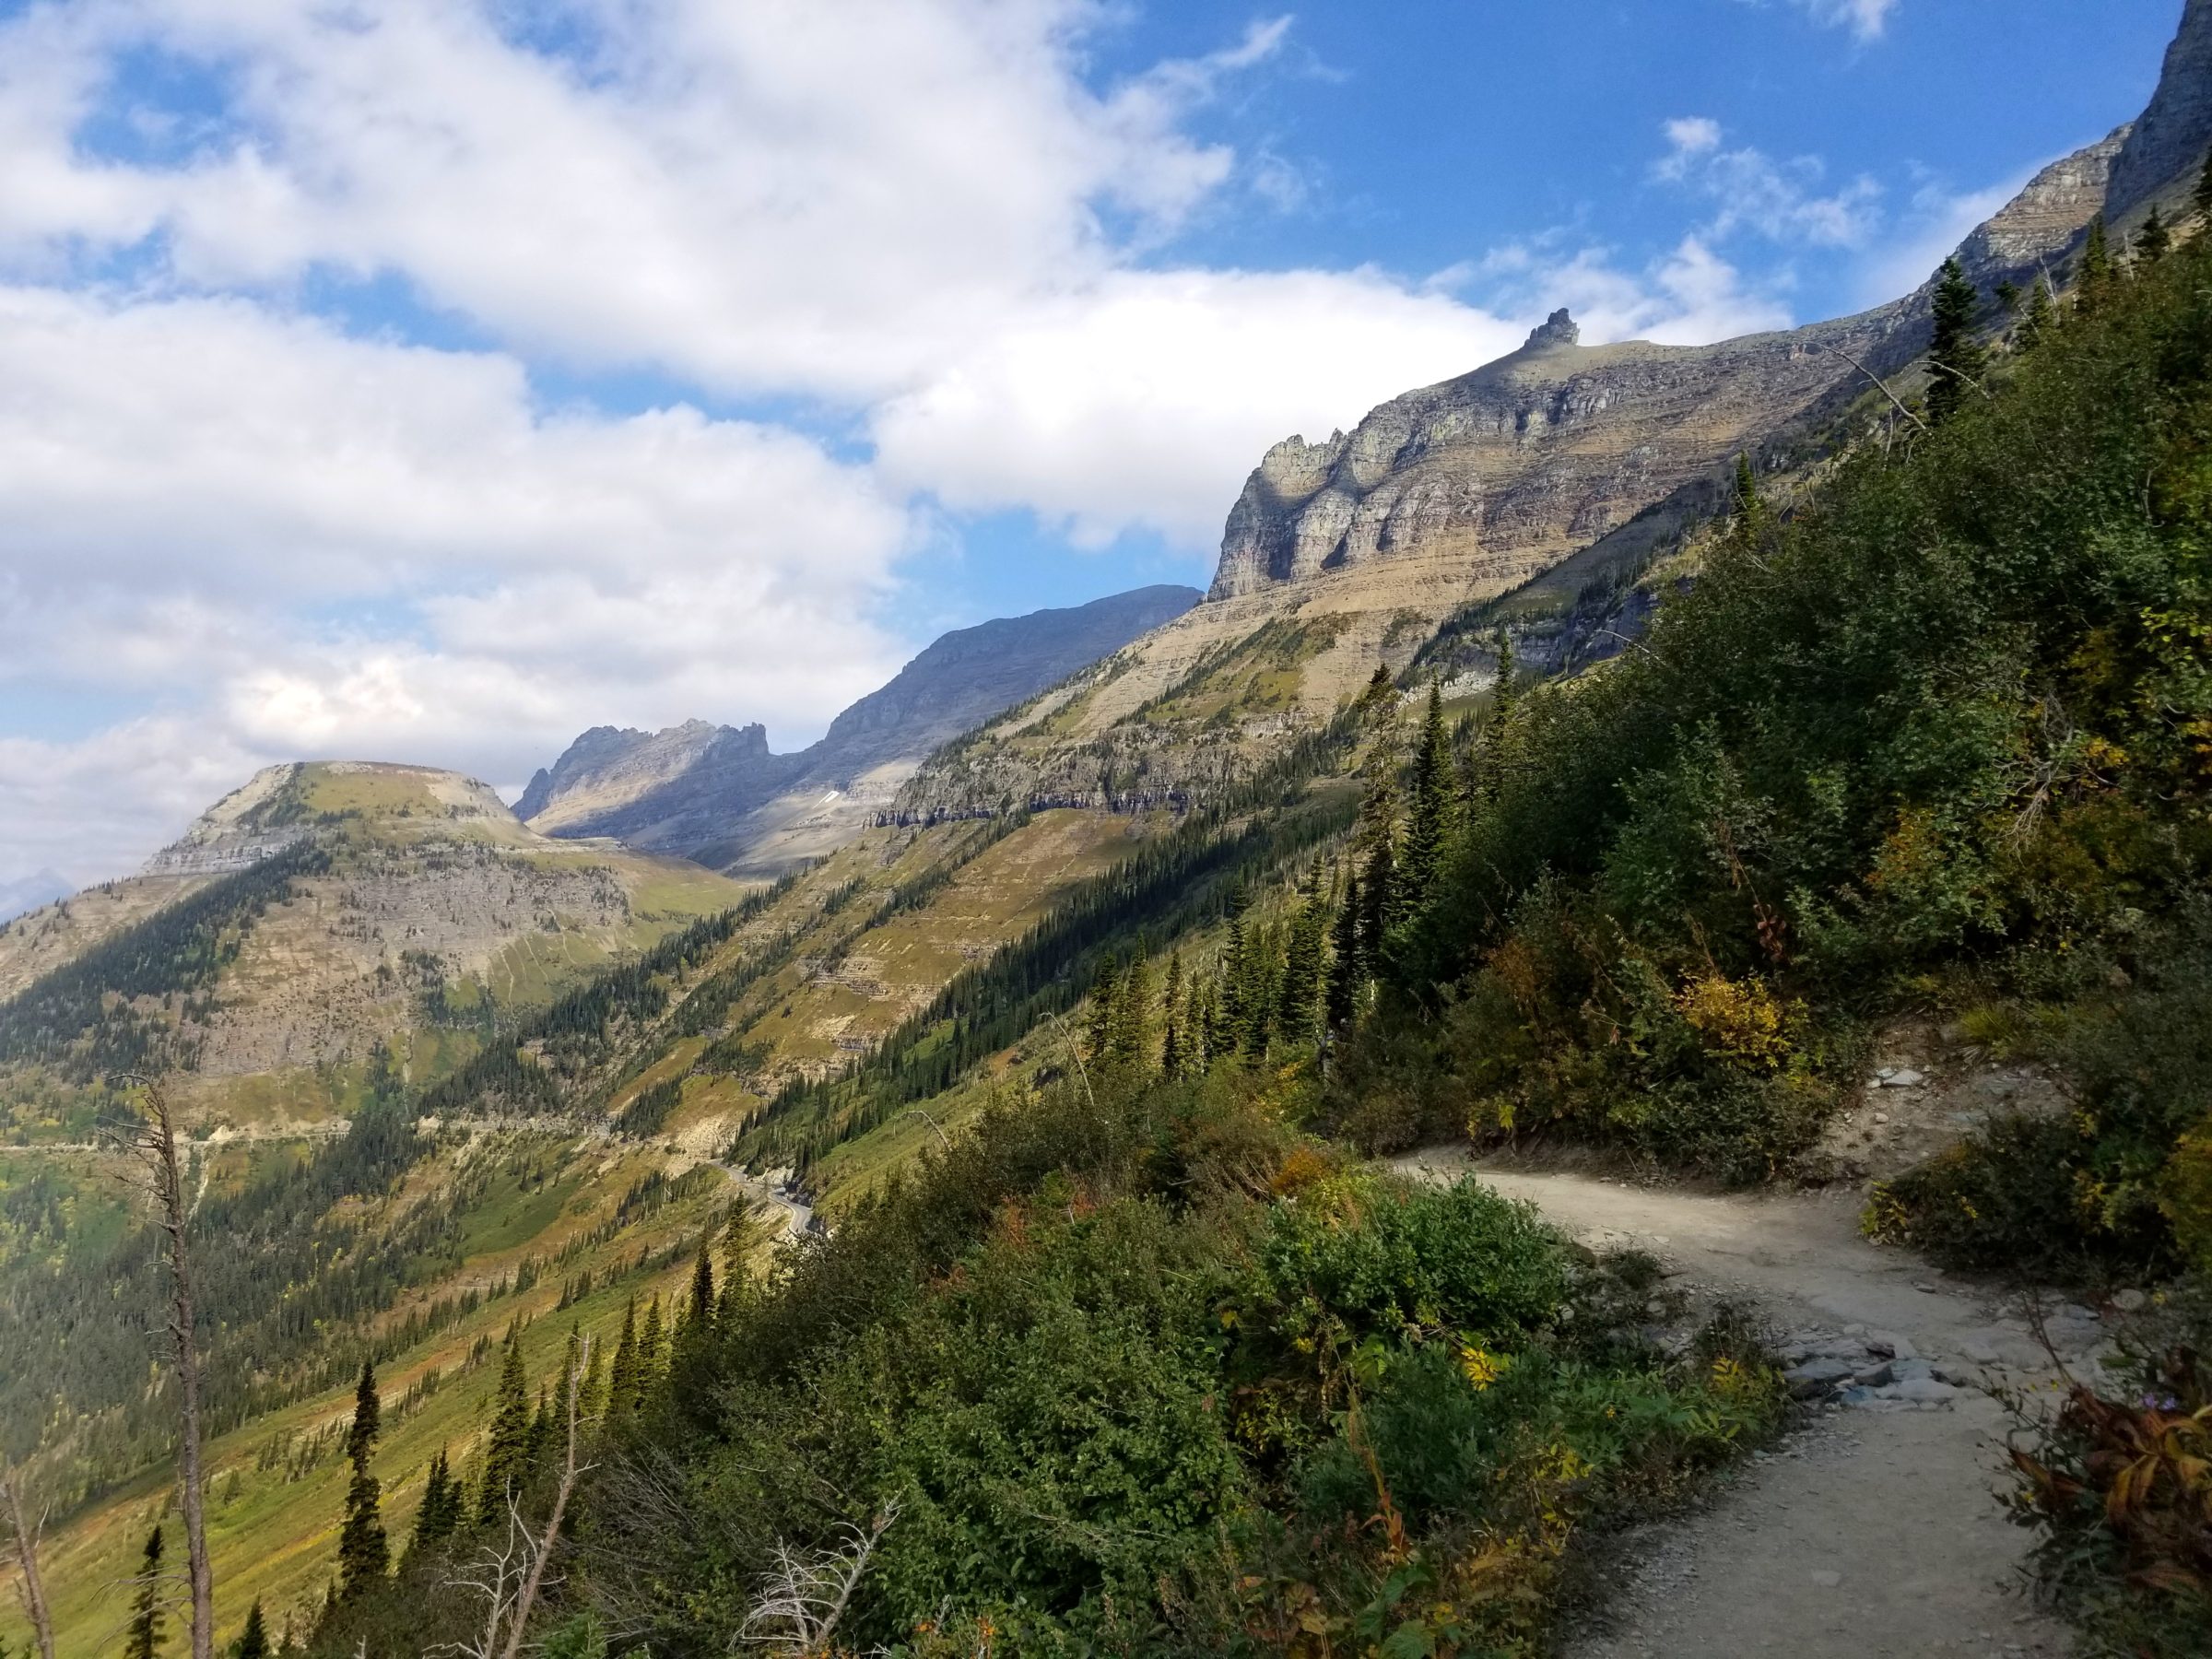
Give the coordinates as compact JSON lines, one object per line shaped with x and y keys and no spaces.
{"x":81,"y":1018}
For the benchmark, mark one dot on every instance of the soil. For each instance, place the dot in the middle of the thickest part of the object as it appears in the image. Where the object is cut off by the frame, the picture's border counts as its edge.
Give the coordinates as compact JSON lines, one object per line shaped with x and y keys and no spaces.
{"x":1867,"y":1531}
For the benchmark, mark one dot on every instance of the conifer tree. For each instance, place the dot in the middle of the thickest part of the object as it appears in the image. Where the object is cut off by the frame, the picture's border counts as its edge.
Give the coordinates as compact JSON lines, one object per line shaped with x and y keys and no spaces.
{"x":698,"y":1319}
{"x":253,"y":1641}
{"x":2154,"y":241}
{"x":1172,"y":1060}
{"x":2036,"y":322}
{"x":652,"y":1348}
{"x":364,"y":1554}
{"x":1226,"y":1036}
{"x":1297,"y":1009}
{"x":1130,"y":1041}
{"x":1434,"y":811}
{"x":540,"y":1442}
{"x":2203,"y":191}
{"x":506,"y":1458}
{"x":591,"y":1400}
{"x":1955,"y":357}
{"x":1486,"y":765}
{"x":1749,"y":509}
{"x":1348,"y":957}
{"x":439,"y":1516}
{"x":1256,"y":993}
{"x":622,"y":1378}
{"x":1098,"y":1037}
{"x":2096,"y":268}
{"x":144,"y":1638}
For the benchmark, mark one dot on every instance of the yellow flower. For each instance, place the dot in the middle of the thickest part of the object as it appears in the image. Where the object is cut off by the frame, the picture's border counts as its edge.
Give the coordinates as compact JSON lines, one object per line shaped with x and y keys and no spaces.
{"x":1482,"y":1369}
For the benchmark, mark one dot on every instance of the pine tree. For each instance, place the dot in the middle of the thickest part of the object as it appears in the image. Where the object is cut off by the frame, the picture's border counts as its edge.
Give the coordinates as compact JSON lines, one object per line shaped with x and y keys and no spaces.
{"x":2154,"y":241}
{"x":2203,"y":191}
{"x":622,"y":1378}
{"x":1486,"y":765}
{"x":1955,"y":357}
{"x":2036,"y":323}
{"x":1380,"y":690}
{"x":253,"y":1641}
{"x":1348,"y":959}
{"x":1227,"y":1036}
{"x":1256,"y":991}
{"x":1172,"y":1059}
{"x":1749,"y":509}
{"x":1297,"y":1009}
{"x":1097,"y":1038}
{"x":698,"y":1321}
{"x":439,"y":1516}
{"x":652,"y":1349}
{"x":1434,"y":812}
{"x":144,"y":1638}
{"x":1130,"y":1042}
{"x":364,"y":1554}
{"x":507,"y":1457}
{"x":2096,"y":268}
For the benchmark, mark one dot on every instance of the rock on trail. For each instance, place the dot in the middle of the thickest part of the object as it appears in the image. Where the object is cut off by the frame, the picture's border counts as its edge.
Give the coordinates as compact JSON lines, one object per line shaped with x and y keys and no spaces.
{"x":1874,"y":1529}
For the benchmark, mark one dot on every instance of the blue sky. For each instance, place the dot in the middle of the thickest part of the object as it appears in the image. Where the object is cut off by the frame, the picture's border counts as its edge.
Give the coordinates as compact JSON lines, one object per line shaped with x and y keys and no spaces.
{"x":429,"y":379}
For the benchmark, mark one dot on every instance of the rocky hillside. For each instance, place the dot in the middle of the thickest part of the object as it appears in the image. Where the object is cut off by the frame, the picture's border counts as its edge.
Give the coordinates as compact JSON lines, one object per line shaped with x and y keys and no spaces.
{"x":717,"y":793}
{"x":318,"y":911}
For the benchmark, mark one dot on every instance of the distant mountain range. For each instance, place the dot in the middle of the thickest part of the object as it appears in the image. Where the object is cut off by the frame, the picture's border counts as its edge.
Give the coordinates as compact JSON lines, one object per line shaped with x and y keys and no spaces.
{"x":718,"y":795}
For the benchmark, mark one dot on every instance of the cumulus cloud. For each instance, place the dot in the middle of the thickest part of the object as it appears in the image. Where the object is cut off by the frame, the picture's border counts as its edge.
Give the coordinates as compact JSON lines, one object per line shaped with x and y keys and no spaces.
{"x":922,"y":223}
{"x":1750,"y":190}
{"x":194,"y":488}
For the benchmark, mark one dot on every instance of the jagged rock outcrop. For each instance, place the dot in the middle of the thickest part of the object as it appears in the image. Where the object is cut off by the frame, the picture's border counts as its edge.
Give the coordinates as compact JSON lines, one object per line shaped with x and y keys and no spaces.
{"x":1503,"y":471}
{"x":717,"y":793}
{"x":2167,"y":144}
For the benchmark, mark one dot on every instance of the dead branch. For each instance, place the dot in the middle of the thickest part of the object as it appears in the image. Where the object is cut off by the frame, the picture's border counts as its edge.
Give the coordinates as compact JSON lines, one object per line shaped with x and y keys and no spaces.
{"x":807,"y":1592}
{"x":1884,"y":384}
{"x":25,"y":1548}
{"x":152,"y":1143}
{"x":570,"y":1470}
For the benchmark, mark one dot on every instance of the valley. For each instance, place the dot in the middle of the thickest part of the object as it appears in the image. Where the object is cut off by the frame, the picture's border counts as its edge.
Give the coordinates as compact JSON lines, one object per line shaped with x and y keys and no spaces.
{"x":1044,"y":1161}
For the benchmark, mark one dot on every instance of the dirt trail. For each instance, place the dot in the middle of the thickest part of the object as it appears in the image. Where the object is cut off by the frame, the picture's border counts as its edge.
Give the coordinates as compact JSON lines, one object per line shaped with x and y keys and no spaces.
{"x":1871,"y":1532}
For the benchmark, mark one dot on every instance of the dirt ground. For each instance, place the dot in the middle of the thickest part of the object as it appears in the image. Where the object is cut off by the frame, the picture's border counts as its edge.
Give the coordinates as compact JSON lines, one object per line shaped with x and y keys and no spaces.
{"x":1871,"y":1531}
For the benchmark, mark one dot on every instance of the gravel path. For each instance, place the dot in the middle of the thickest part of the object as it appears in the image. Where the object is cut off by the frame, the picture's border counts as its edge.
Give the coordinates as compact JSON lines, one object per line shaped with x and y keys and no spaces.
{"x":1871,"y":1531}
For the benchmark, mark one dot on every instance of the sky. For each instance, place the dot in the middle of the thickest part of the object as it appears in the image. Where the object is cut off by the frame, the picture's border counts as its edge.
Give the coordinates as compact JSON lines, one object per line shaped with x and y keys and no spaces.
{"x":431,"y":380}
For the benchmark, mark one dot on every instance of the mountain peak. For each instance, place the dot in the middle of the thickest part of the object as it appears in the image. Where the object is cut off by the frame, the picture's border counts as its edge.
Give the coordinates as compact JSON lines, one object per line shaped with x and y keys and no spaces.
{"x":1559,"y":329}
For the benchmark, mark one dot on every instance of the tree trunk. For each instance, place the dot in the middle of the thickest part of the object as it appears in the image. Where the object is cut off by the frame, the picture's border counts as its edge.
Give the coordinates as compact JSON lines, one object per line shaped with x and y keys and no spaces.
{"x":560,"y":1503}
{"x":26,"y":1558}
{"x":169,"y":1186}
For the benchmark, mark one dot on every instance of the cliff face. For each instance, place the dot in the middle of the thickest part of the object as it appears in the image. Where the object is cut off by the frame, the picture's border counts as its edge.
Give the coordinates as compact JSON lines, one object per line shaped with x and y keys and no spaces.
{"x":1501,"y":472}
{"x":718,"y":794}
{"x":2167,"y":144}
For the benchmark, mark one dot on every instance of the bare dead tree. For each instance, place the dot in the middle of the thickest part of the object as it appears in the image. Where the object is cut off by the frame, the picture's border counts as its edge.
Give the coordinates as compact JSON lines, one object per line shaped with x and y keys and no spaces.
{"x":509,"y":1575}
{"x":496,"y":1574}
{"x":24,"y":1546}
{"x":570,"y":1470}
{"x":807,"y":1590}
{"x":1894,"y":401}
{"x":153,"y":1143}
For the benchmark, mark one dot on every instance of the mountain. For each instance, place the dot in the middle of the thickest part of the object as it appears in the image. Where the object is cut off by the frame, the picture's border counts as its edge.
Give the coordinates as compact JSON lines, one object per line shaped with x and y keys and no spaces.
{"x":1594,"y":462}
{"x":316,"y":913}
{"x":717,"y":793}
{"x":30,"y":892}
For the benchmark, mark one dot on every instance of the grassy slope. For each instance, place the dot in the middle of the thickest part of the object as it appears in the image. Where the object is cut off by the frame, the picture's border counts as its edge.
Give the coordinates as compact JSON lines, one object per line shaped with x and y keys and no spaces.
{"x":274,"y":1535}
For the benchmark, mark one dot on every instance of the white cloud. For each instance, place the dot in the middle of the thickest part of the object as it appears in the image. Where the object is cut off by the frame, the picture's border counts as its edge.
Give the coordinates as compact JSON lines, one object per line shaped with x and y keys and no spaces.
{"x":916,"y":219}
{"x":1750,"y":190}
{"x":194,"y":487}
{"x":1937,"y":222}
{"x":1865,"y":18}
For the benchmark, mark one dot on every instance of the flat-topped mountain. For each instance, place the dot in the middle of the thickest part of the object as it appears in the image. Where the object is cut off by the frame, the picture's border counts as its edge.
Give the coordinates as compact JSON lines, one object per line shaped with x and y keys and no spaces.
{"x":718,"y":794}
{"x":317,"y":910}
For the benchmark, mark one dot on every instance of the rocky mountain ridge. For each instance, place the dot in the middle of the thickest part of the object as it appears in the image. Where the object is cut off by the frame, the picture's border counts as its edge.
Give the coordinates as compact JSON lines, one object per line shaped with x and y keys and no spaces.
{"x":720,"y":794}
{"x":1354,"y":550}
